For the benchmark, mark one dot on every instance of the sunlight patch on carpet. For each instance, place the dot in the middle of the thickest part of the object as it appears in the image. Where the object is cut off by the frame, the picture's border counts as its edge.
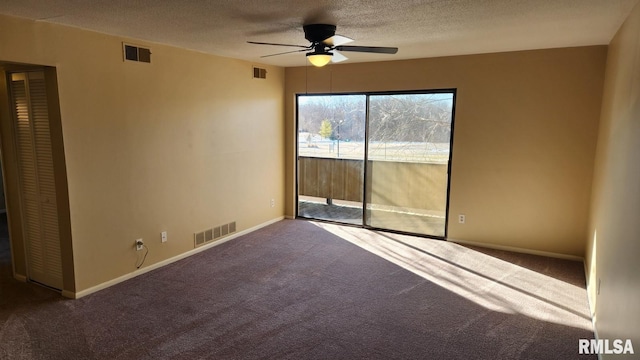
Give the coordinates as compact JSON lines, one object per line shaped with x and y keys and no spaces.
{"x":492,"y":283}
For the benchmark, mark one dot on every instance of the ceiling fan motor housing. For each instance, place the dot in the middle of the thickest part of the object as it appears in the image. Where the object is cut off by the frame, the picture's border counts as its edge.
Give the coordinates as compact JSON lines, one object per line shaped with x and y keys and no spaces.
{"x":316,"y":33}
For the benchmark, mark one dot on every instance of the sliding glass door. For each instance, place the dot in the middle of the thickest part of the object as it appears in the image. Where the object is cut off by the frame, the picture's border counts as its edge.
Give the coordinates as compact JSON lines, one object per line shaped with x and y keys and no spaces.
{"x":377,"y":160}
{"x":408,"y":157}
{"x":331,"y":130}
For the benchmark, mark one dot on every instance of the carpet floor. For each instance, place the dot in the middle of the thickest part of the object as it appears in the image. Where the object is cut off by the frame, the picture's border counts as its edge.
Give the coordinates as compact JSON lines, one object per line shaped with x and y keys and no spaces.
{"x":307,"y":290}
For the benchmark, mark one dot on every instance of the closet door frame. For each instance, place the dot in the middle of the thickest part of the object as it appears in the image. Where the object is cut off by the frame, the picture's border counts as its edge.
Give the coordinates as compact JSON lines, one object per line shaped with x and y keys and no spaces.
{"x":11,"y":176}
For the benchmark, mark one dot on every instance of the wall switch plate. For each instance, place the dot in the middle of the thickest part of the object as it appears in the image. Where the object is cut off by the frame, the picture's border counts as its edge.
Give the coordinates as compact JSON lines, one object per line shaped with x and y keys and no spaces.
{"x":139,"y":244}
{"x":163,"y":236}
{"x":462,"y":218}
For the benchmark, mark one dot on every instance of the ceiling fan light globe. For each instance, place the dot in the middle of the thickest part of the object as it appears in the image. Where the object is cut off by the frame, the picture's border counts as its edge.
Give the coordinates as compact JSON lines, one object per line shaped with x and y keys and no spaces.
{"x":319,"y":60}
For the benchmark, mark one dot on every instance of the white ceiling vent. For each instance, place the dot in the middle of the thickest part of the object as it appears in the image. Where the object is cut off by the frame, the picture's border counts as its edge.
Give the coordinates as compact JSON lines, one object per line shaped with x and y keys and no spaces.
{"x":259,"y":73}
{"x":136,"y":53}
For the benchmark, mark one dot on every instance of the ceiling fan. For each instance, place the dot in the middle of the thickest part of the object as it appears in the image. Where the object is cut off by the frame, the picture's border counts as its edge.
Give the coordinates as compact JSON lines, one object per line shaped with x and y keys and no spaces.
{"x":325,"y":45}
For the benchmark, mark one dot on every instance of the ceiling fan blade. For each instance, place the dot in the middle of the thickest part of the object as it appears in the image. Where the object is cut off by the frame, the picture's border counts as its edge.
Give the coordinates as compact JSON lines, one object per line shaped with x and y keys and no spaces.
{"x":265,"y":43}
{"x":337,"y":40}
{"x":337,"y":57}
{"x":369,"y":49}
{"x":286,"y":52}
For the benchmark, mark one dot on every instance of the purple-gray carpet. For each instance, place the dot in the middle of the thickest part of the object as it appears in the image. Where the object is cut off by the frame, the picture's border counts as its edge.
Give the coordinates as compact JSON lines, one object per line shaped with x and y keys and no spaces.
{"x":304,"y":290}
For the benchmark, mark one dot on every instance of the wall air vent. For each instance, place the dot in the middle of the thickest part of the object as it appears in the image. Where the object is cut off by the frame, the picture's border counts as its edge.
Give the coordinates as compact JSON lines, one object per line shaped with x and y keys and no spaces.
{"x":215,"y":233}
{"x":199,"y":238}
{"x":136,"y":53}
{"x":259,"y":73}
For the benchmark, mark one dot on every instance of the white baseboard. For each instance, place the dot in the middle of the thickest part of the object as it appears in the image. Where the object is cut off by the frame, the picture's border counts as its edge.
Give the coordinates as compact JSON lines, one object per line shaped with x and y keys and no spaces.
{"x":289,"y":217}
{"x":20,"y":278}
{"x":518,"y":250}
{"x":162,"y":263}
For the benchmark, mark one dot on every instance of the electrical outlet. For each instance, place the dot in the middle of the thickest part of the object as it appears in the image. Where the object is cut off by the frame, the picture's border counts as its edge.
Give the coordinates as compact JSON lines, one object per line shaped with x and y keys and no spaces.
{"x":139,"y":244}
{"x":163,"y":236}
{"x":273,"y":203}
{"x":462,"y":218}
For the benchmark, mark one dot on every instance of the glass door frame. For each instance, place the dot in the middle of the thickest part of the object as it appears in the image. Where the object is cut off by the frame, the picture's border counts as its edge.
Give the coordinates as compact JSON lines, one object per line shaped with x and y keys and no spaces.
{"x":366,"y":169}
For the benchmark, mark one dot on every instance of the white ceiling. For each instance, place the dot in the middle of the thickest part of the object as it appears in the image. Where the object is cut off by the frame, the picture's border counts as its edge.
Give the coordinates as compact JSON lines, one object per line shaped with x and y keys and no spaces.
{"x":419,"y":28}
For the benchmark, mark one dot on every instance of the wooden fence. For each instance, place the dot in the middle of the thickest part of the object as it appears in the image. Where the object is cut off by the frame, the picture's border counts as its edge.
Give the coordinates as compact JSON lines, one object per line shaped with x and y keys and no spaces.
{"x":400,"y":184}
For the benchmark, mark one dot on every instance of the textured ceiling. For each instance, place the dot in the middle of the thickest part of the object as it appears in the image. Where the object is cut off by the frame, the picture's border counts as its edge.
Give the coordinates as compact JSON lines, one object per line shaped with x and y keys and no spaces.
{"x":419,"y":28}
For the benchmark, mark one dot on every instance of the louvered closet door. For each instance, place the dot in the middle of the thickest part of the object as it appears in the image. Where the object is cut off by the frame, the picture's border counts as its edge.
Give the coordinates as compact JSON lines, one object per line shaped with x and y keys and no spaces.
{"x":38,"y":193}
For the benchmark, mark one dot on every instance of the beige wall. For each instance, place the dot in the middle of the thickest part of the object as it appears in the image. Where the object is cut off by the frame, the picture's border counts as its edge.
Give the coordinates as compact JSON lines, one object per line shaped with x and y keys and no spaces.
{"x":525,"y":132}
{"x":180,"y":145}
{"x":614,"y":231}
